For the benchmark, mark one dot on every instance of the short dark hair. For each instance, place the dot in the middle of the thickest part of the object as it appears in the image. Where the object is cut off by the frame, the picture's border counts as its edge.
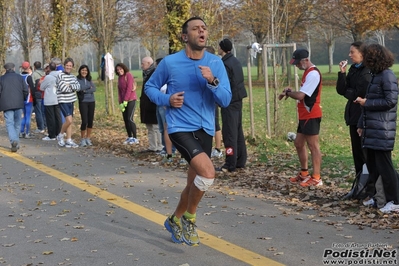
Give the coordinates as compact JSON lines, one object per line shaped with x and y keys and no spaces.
{"x":123,"y":66}
{"x":37,"y":65}
{"x":52,"y":66}
{"x":185,"y":25}
{"x":377,"y":58}
{"x":88,"y":77}
{"x":69,"y":60}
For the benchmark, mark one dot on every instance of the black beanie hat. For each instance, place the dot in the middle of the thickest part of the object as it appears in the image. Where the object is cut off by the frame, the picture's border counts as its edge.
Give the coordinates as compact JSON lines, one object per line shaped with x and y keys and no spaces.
{"x":226,"y":45}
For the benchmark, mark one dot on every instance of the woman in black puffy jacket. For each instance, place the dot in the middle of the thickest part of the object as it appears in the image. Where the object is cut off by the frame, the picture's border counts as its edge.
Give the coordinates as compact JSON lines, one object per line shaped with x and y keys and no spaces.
{"x":377,"y":124}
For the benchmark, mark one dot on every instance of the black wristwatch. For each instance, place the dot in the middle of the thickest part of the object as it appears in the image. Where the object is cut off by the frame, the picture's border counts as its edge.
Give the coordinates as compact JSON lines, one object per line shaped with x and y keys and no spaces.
{"x":215,"y":82}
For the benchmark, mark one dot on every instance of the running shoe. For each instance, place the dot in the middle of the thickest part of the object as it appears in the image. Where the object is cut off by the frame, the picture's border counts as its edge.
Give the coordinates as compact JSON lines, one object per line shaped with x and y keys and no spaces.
{"x":60,"y":139}
{"x":299,"y":178}
{"x":216,"y":153}
{"x":369,"y":202}
{"x":71,"y":144}
{"x":39,"y":131}
{"x":166,"y":160}
{"x":134,"y":141}
{"x":189,"y":234}
{"x":47,"y":138}
{"x":390,"y":207}
{"x":127,"y":141}
{"x":88,"y":142}
{"x":28,"y":136}
{"x":83,"y":143}
{"x":311,"y":182}
{"x":174,"y":228}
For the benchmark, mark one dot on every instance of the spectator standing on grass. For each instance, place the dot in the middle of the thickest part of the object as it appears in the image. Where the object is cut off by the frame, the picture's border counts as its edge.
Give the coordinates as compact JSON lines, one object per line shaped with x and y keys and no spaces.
{"x":216,"y":152}
{"x":377,"y":124}
{"x":127,"y":101}
{"x":232,"y":132}
{"x":38,"y":73}
{"x":353,"y":85}
{"x":148,"y":109}
{"x":196,"y":80}
{"x":309,"y":113}
{"x":67,"y":86}
{"x":13,"y":92}
{"x":29,"y":101}
{"x":87,"y":105}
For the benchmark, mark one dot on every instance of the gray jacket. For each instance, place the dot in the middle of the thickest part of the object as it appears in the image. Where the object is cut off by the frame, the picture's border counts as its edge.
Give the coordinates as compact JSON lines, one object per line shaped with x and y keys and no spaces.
{"x":13,"y":91}
{"x":49,"y":87}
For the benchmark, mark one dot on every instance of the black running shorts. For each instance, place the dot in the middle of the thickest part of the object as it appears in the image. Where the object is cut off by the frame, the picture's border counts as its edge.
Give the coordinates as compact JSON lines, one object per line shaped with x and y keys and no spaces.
{"x":310,"y":126}
{"x":190,"y":144}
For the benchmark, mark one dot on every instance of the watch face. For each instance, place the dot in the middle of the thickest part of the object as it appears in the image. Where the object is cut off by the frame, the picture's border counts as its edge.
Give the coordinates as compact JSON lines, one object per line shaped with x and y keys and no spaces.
{"x":216,"y":82}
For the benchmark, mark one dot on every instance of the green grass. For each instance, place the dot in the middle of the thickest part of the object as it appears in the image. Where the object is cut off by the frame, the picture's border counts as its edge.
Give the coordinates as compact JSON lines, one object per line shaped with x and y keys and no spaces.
{"x":334,"y":135}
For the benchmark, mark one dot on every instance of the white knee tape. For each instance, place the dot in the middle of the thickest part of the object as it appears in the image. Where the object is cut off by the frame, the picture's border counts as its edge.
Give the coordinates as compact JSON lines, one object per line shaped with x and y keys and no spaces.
{"x":203,"y":183}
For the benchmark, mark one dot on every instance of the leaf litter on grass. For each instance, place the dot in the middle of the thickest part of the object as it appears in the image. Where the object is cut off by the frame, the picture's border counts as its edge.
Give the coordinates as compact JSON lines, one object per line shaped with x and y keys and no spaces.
{"x":267,"y":181}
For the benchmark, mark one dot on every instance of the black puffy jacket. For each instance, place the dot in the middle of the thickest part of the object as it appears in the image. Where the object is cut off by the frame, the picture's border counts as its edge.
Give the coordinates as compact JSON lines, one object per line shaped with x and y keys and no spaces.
{"x":236,"y":77}
{"x":353,"y":85}
{"x":378,"y":118}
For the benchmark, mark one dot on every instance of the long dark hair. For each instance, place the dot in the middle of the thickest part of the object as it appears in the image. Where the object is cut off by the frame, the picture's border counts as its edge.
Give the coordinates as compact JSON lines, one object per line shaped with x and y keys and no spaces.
{"x":377,"y":58}
{"x":123,"y":66}
{"x":88,"y":77}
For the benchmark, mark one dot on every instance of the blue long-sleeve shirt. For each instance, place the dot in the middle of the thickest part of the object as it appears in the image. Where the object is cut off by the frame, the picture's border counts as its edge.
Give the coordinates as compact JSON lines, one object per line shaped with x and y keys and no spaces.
{"x":181,"y":73}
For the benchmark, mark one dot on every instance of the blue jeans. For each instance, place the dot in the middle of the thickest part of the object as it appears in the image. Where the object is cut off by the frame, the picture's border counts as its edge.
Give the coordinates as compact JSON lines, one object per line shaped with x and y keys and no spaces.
{"x":13,"y":123}
{"x":39,"y":114}
{"x":25,"y":122}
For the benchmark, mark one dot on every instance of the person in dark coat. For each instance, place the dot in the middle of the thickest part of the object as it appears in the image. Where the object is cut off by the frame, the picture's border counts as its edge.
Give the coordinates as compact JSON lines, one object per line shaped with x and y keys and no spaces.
{"x":13,"y":92}
{"x":232,"y":132}
{"x":353,"y":85}
{"x":377,"y":124}
{"x":148,"y":109}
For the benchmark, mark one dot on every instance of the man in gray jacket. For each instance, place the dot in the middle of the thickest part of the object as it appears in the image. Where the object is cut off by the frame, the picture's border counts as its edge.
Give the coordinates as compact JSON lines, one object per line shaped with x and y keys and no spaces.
{"x":13,"y":91}
{"x":50,"y":101}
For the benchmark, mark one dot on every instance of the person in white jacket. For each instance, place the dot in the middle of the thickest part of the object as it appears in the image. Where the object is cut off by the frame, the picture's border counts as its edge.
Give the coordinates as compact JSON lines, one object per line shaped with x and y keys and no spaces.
{"x":50,"y":101}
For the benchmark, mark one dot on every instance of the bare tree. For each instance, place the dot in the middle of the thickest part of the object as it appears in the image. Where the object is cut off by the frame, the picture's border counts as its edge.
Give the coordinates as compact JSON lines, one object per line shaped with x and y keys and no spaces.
{"x":6,"y":8}
{"x":24,"y":26}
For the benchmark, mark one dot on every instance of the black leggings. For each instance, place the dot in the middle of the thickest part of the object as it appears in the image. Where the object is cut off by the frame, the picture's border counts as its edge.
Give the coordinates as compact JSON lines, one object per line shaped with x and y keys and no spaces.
{"x":128,"y":116}
{"x":87,"y":114}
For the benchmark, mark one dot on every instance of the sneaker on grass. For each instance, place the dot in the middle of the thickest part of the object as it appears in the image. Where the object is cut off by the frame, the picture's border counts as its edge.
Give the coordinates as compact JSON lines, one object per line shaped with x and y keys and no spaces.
{"x":369,"y":202}
{"x":174,"y":227}
{"x":216,"y":153}
{"x":390,"y":207}
{"x":311,"y":182}
{"x":299,"y":178}
{"x":189,"y":234}
{"x":134,"y":141}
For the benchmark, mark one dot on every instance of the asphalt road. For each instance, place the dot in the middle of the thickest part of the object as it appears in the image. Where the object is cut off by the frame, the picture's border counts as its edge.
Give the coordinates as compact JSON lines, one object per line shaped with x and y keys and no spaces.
{"x":63,"y":206}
